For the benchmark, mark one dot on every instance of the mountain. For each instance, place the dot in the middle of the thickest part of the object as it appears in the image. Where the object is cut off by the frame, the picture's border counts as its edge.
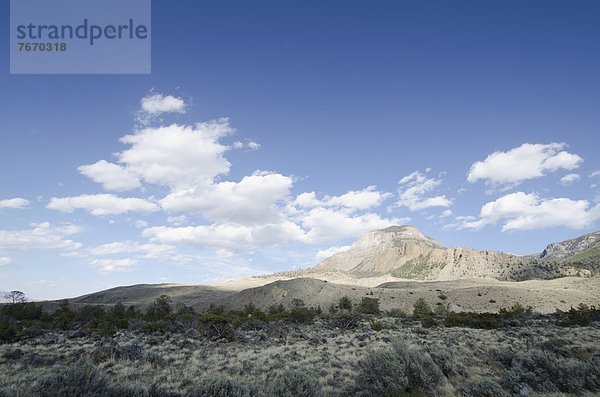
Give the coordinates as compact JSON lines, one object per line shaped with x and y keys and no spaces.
{"x":404,"y":252}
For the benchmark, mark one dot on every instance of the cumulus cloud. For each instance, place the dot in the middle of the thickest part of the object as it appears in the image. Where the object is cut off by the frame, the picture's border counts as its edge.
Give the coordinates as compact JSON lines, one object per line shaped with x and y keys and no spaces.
{"x":5,"y":261}
{"x":40,"y":236}
{"x":328,"y":224}
{"x":568,"y":179}
{"x":156,"y":104}
{"x":446,"y":214}
{"x":594,"y":174}
{"x":146,"y":251}
{"x":111,"y":176}
{"x":521,"y":211}
{"x":16,"y":202}
{"x":102,"y":204}
{"x":189,"y":161}
{"x":253,"y":200}
{"x":113,"y":265}
{"x":178,"y":156}
{"x":231,"y":237}
{"x":353,"y":200}
{"x":527,"y":161}
{"x":414,"y":190}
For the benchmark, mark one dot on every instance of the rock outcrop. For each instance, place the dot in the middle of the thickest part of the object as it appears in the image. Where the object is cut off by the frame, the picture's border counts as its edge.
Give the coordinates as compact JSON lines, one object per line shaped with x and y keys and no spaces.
{"x":404,"y":252}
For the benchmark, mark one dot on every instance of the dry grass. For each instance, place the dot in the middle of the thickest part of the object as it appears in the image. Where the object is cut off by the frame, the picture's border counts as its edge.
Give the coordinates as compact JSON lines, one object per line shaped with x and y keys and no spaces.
{"x":473,"y":361}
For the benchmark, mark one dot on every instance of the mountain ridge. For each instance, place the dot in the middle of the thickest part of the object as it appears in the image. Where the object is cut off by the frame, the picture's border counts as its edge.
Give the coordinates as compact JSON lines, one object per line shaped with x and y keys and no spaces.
{"x":405,"y":252}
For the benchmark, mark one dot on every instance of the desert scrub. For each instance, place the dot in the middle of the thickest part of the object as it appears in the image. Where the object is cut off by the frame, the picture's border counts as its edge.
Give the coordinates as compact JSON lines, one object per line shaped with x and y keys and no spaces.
{"x":80,"y":379}
{"x":547,"y":372}
{"x":486,"y":388}
{"x":294,"y":383}
{"x":401,"y":370}
{"x":218,"y":386}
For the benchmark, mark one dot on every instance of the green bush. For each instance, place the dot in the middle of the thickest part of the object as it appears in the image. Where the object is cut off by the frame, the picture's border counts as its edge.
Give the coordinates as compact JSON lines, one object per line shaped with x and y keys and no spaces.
{"x":473,"y":320}
{"x":23,"y":311}
{"x":345,"y":304}
{"x":398,"y":313}
{"x":217,"y":386}
{"x":8,"y":332}
{"x":369,"y":306}
{"x":581,"y":316}
{"x":516,"y":311}
{"x":421,"y":308}
{"x":160,"y":309}
{"x":294,"y":383}
{"x":401,"y":370}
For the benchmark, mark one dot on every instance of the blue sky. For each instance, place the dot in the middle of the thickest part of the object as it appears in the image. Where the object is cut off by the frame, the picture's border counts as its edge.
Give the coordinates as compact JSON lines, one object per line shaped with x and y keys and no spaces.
{"x":476,"y":122}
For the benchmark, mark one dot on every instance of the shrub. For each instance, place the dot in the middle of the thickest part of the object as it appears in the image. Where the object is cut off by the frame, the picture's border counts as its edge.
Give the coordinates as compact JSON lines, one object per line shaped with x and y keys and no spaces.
{"x":369,"y":306}
{"x":217,"y":386}
{"x":472,"y":320}
{"x":421,"y":308}
{"x":294,"y":383}
{"x":515,"y":311}
{"x":398,"y":371}
{"x":23,"y":311}
{"x":81,"y":379}
{"x":486,"y":388}
{"x":440,"y":309}
{"x":398,"y":313}
{"x":547,"y":372}
{"x":377,"y":325}
{"x":581,"y":316}
{"x":345,"y":304}
{"x":159,"y":309}
{"x":344,"y":321}
{"x":8,"y":332}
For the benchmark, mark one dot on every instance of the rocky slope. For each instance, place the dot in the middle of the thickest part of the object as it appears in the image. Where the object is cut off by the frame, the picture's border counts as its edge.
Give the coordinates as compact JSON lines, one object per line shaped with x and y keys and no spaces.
{"x":404,"y":252}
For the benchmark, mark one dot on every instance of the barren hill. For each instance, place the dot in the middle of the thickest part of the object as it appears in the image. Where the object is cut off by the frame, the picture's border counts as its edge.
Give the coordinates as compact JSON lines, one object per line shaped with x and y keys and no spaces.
{"x":404,"y":252}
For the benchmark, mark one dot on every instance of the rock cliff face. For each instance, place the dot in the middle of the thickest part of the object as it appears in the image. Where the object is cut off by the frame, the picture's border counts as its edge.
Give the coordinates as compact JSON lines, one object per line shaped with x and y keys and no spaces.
{"x":571,"y":249}
{"x":403,"y":251}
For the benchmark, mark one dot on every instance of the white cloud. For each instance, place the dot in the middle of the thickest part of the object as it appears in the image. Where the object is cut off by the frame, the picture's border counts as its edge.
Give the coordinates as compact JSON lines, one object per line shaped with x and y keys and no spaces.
{"x":5,"y":261}
{"x":413,"y":192}
{"x":568,"y":179}
{"x":595,"y":174}
{"x":527,"y":161}
{"x":326,"y":253}
{"x":446,"y":214}
{"x":111,"y":176}
{"x":327,"y":224}
{"x":178,"y":156}
{"x":102,"y":204}
{"x":157,"y":104}
{"x":232,"y":237}
{"x":16,"y":202}
{"x":40,"y":236}
{"x":521,"y":211}
{"x":113,"y":265}
{"x":145,"y":251}
{"x":253,"y":145}
{"x":177,"y":220}
{"x":253,"y":200}
{"x":353,"y":200}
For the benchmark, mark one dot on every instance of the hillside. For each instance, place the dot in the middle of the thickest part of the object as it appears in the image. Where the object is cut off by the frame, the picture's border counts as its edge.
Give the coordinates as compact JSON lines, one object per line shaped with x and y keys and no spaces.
{"x":404,"y":252}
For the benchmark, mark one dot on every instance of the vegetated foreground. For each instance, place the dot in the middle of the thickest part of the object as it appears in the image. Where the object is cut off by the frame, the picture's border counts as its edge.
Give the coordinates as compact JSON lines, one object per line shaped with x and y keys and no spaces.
{"x":350,"y":349}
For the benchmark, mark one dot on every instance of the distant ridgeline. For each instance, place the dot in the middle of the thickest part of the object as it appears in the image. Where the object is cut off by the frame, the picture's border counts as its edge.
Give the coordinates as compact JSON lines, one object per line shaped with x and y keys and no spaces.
{"x":404,"y":252}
